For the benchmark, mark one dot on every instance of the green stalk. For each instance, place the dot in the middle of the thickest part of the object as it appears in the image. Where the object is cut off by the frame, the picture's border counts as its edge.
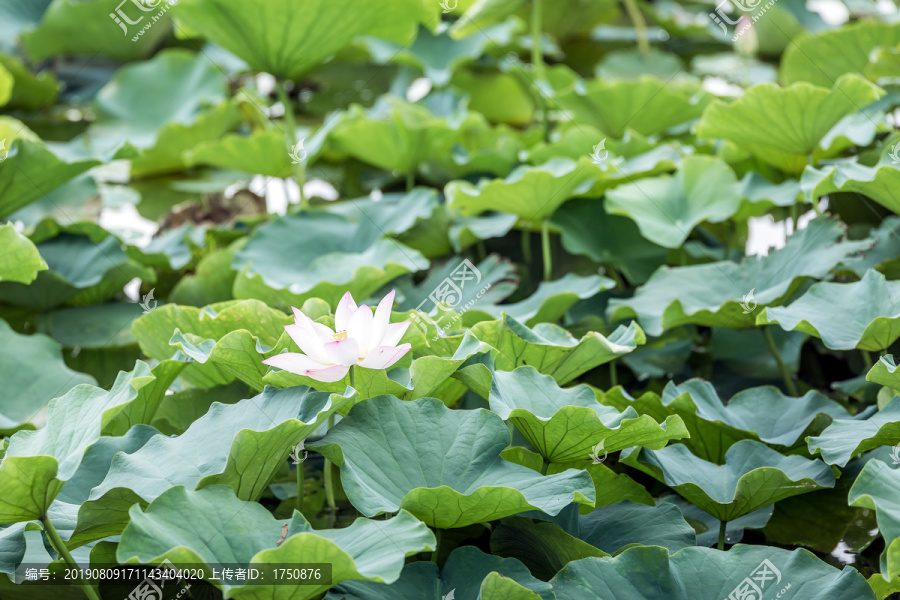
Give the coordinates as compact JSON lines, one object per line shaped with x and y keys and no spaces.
{"x":722,"y":525}
{"x":526,"y":246}
{"x":867,"y":359}
{"x":640,"y":25}
{"x":788,"y":382}
{"x":300,"y":487}
{"x":613,"y":376}
{"x":329,"y":468}
{"x":410,"y":180}
{"x":63,"y":551}
{"x":537,"y":59}
{"x":437,"y":544}
{"x":545,"y":246}
{"x":291,"y":135}
{"x":544,"y":465}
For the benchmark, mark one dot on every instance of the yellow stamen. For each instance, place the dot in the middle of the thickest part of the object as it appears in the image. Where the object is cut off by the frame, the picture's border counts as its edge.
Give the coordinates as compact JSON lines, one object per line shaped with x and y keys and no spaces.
{"x":340,"y":335}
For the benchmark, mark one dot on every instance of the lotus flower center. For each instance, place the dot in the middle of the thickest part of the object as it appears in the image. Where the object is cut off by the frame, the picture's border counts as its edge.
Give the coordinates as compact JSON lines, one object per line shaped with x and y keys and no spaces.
{"x":340,"y":335}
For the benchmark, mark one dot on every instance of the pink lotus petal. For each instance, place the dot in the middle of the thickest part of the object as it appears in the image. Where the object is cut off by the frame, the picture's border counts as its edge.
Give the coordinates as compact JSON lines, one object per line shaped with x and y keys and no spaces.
{"x":343,"y":352}
{"x":381,"y":321}
{"x":360,"y":328}
{"x":309,"y":342}
{"x":394,"y":333}
{"x":383,"y":357}
{"x":345,"y":308}
{"x":299,"y":364}
{"x":329,"y":375}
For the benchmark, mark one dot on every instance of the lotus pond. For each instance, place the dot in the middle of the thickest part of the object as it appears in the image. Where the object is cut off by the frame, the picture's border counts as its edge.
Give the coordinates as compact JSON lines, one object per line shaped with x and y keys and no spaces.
{"x":449,"y":299}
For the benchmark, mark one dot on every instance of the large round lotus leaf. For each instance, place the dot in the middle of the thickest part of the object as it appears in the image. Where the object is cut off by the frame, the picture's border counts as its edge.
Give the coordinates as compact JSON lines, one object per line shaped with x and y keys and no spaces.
{"x":531,"y":193}
{"x":800,"y":116}
{"x":442,"y":465}
{"x":742,"y":572}
{"x":760,"y":413}
{"x":878,"y":182}
{"x":465,"y":575}
{"x":752,"y":477}
{"x":712,"y":294}
{"x":878,"y":488}
{"x":667,"y":208}
{"x":38,"y":462}
{"x":567,"y":424}
{"x":552,"y":350}
{"x":307,"y":33}
{"x":33,"y":372}
{"x":202,"y":527}
{"x":845,"y":439}
{"x":647,"y":105}
{"x":291,"y":259}
{"x":836,"y":52}
{"x":845,"y":316}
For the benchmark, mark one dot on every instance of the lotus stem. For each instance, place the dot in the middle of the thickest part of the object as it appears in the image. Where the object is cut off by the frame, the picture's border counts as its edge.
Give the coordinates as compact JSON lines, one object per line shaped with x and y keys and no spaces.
{"x":437,"y":544}
{"x":613,"y":376}
{"x":329,"y":484}
{"x":722,"y":525}
{"x":544,"y":465}
{"x":526,"y":246}
{"x":410,"y":179}
{"x":785,"y":374}
{"x":63,"y":551}
{"x":867,"y":359}
{"x":291,"y":135}
{"x":640,"y":25}
{"x":537,"y":59}
{"x":545,"y":246}
{"x":300,"y":487}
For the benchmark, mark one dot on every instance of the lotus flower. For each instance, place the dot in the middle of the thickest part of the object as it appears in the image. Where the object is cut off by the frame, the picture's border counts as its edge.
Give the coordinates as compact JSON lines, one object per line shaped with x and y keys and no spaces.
{"x":362,"y":339}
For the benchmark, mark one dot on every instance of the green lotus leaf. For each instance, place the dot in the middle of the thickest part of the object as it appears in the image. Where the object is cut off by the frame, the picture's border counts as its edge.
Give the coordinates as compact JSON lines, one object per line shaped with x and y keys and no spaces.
{"x":883,"y":256}
{"x":845,"y":439}
{"x":864,"y":315}
{"x":28,"y":163}
{"x":243,"y":444}
{"x":712,"y":294}
{"x":647,"y":105}
{"x":21,"y":261}
{"x":483,"y":13}
{"x":707,"y":527}
{"x":632,"y":64}
{"x":236,"y":355}
{"x":552,"y":350}
{"x":531,"y":193}
{"x":878,"y":183}
{"x":211,"y":282}
{"x":667,"y":208}
{"x":14,"y":545}
{"x":192,"y":527}
{"x":262,"y":152}
{"x":878,"y":488}
{"x":306,"y":35}
{"x":610,"y":487}
{"x":31,"y":91}
{"x":470,"y":145}
{"x":760,"y":413}
{"x":6,"y":85}
{"x":438,"y":54}
{"x":838,"y":51}
{"x":37,"y":463}
{"x":587,"y":228}
{"x":318,"y":255}
{"x":752,"y":477}
{"x":452,"y":473}
{"x":883,"y":588}
{"x":33,"y":372}
{"x":884,"y":372}
{"x":777,"y":139}
{"x":565,"y":425}
{"x":551,"y":301}
{"x":465,"y":574}
{"x":16,"y":17}
{"x":694,"y":572}
{"x":86,"y":27}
